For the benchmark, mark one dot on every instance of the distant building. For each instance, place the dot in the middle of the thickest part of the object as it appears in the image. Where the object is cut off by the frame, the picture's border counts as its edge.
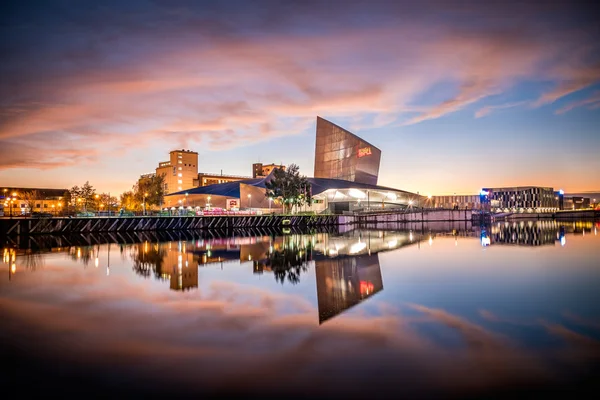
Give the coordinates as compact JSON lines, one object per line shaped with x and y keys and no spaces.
{"x":19,"y":200}
{"x":260,"y":170}
{"x":521,"y":199}
{"x":179,"y":172}
{"x":459,"y":201}
{"x":206,"y":179}
{"x":576,"y":203}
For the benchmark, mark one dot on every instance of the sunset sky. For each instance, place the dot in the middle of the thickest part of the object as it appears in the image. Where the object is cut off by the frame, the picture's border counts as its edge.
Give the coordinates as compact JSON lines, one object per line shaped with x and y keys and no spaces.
{"x":457,"y":95}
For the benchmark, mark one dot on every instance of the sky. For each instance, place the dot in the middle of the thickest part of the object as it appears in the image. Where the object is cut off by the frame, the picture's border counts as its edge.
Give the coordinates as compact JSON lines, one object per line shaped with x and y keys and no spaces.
{"x":459,"y":95}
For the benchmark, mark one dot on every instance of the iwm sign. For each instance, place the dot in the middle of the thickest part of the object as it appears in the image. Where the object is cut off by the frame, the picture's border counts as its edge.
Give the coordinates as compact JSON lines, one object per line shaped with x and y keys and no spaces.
{"x":365,"y":151}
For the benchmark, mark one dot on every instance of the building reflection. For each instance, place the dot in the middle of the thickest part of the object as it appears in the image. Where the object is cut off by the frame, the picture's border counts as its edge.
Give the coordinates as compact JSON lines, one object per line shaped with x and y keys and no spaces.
{"x":167,"y":261}
{"x":343,"y":282}
{"x":524,"y":233}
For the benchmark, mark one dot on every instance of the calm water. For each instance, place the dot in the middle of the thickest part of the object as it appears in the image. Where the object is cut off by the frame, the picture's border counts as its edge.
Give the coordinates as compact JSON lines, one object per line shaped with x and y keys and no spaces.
{"x":448,"y":311}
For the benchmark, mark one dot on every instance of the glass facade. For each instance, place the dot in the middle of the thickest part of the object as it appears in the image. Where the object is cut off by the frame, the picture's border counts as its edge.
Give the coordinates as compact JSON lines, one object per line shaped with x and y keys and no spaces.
{"x":340,"y":154}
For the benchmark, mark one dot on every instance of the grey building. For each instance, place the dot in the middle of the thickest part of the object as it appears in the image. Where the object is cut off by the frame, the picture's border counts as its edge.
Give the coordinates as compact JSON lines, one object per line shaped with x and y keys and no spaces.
{"x":339,"y":154}
{"x":521,"y":199}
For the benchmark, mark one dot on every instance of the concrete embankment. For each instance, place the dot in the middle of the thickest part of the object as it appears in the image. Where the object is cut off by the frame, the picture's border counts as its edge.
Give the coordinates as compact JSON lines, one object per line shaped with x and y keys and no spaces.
{"x":417,"y":216}
{"x":559,"y":215}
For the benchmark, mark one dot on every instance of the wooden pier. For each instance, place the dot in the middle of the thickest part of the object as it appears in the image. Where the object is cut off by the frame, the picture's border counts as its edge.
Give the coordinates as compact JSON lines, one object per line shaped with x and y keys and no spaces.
{"x":35,"y":226}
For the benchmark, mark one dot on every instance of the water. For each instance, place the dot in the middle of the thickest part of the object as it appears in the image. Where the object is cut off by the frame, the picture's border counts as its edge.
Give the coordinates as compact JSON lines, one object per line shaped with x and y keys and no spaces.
{"x":437,"y":311}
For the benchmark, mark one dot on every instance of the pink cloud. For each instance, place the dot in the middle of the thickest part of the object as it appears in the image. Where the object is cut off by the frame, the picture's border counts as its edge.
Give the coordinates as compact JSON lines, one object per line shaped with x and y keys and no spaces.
{"x":237,"y":92}
{"x":592,"y":102}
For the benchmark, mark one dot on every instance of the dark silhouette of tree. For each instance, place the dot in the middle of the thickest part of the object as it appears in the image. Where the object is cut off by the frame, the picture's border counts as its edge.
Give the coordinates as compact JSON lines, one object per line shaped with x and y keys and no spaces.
{"x":289,"y":262}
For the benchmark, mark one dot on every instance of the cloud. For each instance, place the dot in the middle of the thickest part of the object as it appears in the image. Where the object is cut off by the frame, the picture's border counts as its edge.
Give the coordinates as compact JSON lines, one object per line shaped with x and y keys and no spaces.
{"x":592,"y":102}
{"x":487,"y":110}
{"x":573,"y":79}
{"x":172,"y":75}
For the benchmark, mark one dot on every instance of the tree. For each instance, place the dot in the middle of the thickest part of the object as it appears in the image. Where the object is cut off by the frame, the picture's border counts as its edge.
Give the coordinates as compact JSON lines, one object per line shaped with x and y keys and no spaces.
{"x":82,"y":197}
{"x":106,"y":202}
{"x":128,"y":201}
{"x":29,"y":198}
{"x":73,"y":196}
{"x":87,"y":194}
{"x":289,"y":188}
{"x":150,"y":190}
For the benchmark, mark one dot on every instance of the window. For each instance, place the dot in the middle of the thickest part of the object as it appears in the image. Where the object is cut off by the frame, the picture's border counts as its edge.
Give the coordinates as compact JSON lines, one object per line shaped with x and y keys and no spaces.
{"x":37,"y":206}
{"x":180,"y":168}
{"x":180,"y":181}
{"x":180,"y":174}
{"x":179,"y":188}
{"x":45,"y":205}
{"x":179,"y":161}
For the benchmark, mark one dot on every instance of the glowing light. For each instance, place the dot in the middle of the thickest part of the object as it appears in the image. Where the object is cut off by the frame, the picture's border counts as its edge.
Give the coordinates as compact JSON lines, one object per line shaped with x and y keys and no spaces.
{"x":561,"y":192}
{"x":410,"y":202}
{"x":357,"y":247}
{"x":484,"y":192}
{"x":485,"y":241}
{"x":430,"y":240}
{"x":357,"y":194}
{"x":96,"y":262}
{"x":392,"y":196}
{"x":392,"y":243}
{"x":13,"y":268}
{"x":563,"y":241}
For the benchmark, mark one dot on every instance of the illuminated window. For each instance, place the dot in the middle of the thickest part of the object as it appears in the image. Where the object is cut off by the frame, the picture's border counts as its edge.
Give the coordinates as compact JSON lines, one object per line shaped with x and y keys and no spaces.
{"x":179,"y":188}
{"x":180,"y":162}
{"x":180,"y":168}
{"x":180,"y":174}
{"x":180,"y":181}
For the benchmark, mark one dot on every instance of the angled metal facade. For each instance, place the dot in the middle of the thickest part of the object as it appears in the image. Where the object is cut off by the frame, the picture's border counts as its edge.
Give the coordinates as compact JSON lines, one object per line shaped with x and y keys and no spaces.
{"x":339,"y":154}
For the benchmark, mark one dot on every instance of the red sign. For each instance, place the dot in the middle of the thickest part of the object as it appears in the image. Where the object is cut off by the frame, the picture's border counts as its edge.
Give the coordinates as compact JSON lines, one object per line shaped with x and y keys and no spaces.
{"x":366,"y":288}
{"x":365,"y":151}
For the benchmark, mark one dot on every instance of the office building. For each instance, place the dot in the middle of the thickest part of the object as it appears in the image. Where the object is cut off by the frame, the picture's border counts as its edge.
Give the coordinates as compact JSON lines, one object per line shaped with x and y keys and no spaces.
{"x":260,"y":170}
{"x":339,"y":154}
{"x":520,"y":199}
{"x":180,"y":171}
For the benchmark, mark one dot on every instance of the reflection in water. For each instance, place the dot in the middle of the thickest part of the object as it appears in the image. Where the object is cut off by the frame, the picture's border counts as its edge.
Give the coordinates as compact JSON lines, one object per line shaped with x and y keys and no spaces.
{"x":530,"y":233}
{"x":453,"y":319}
{"x":346,"y":281}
